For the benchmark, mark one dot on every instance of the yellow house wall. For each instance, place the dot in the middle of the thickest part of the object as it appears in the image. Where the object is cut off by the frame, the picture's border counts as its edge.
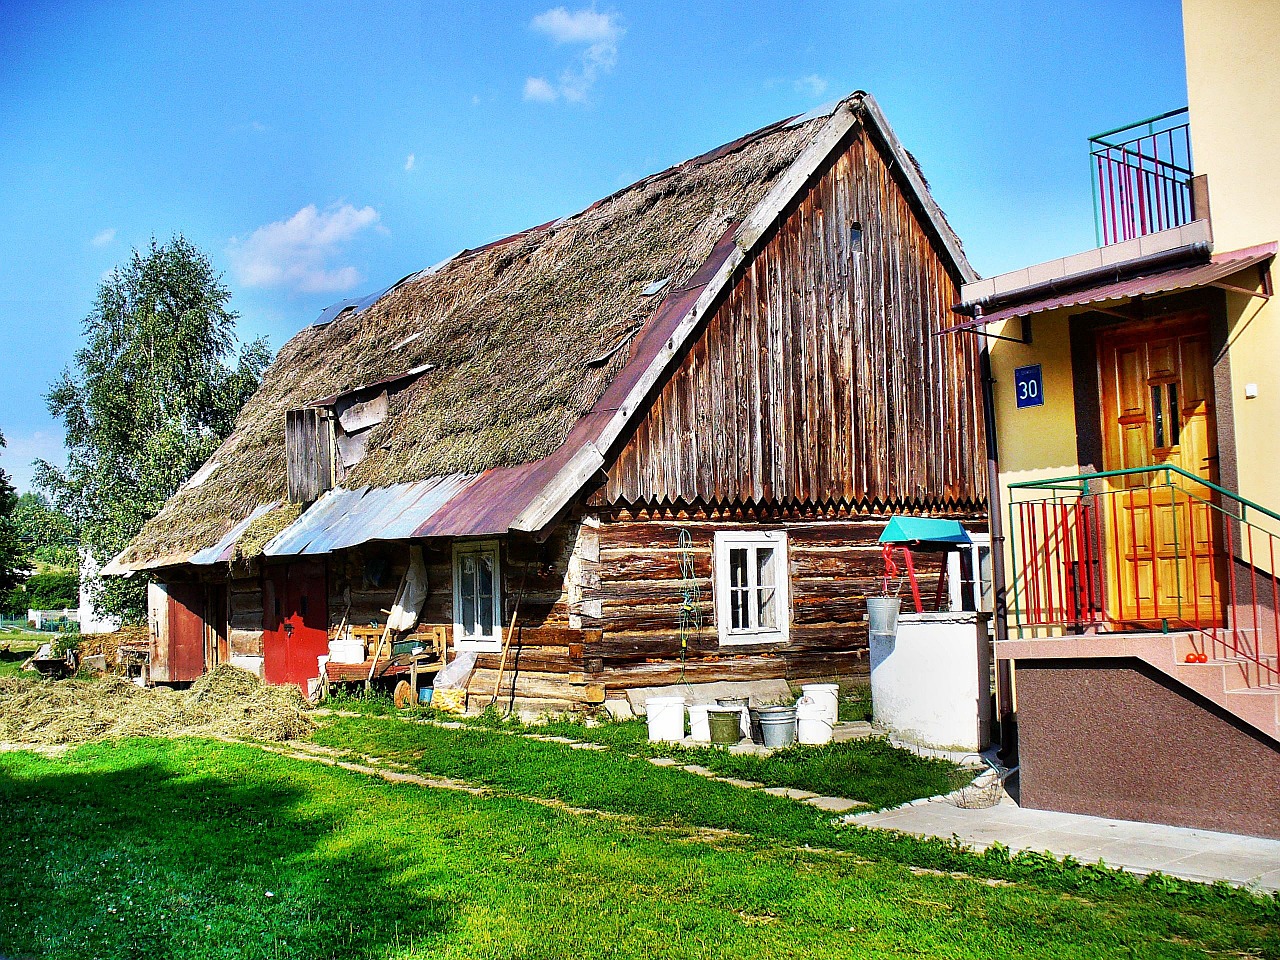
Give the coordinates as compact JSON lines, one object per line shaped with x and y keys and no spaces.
{"x":1233,"y":88}
{"x":1035,"y":443}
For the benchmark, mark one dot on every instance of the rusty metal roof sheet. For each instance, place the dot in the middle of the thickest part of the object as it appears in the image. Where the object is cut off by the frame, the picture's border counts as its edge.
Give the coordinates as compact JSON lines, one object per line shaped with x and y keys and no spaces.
{"x":346,"y":518}
{"x":1152,"y":283}
{"x":221,"y":551}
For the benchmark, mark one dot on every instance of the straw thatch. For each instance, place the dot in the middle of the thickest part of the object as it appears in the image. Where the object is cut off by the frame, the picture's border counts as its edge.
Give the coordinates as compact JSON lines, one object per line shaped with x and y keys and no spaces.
{"x":510,"y":330}
{"x":228,"y":702}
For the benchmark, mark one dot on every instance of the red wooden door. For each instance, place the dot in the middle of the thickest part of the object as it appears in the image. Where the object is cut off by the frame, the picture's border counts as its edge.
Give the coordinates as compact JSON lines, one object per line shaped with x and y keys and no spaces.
{"x":295,"y":622}
{"x":186,"y":631}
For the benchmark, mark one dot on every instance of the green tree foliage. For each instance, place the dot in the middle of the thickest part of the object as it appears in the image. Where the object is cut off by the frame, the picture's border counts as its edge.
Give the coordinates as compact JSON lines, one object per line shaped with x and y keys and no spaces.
{"x":52,"y":590}
{"x":46,"y":532}
{"x":151,"y":394}
{"x":13,"y":561}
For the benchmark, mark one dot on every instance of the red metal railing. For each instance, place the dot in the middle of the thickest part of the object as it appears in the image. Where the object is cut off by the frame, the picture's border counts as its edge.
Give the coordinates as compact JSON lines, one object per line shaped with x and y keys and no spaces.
{"x":1150,"y":548}
{"x":1142,"y":177}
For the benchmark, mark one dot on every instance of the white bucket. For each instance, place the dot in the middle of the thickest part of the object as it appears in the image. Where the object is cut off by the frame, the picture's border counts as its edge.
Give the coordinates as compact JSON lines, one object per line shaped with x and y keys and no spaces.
{"x":827,"y":696}
{"x":699,"y":727}
{"x":812,"y":726}
{"x":666,"y":719}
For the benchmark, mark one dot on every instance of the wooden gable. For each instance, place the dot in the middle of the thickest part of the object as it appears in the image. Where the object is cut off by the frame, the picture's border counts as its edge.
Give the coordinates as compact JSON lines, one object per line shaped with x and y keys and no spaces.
{"x":818,"y":378}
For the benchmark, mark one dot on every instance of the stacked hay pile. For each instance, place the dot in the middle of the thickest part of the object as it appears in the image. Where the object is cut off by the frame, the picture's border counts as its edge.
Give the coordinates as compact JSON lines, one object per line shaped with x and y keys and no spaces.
{"x":106,"y":644}
{"x":228,"y":702}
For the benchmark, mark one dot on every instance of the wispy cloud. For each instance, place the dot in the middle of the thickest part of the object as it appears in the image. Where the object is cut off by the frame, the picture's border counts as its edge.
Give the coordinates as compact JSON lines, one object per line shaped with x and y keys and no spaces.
{"x":410,"y":162}
{"x":813,"y":85}
{"x":299,"y":253}
{"x":597,"y":33}
{"x":103,"y":237}
{"x":538,"y":90}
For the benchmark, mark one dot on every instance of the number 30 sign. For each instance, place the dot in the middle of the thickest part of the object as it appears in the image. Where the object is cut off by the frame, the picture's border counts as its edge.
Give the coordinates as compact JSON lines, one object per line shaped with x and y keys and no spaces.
{"x":1028,"y":386}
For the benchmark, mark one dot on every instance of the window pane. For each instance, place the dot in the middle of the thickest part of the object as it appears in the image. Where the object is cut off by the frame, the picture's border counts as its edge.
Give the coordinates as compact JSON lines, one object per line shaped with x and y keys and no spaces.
{"x":484,"y":595}
{"x":1158,"y":407}
{"x":767,"y":594}
{"x":1175,"y":416}
{"x":467,"y":594}
{"x":738,"y":605}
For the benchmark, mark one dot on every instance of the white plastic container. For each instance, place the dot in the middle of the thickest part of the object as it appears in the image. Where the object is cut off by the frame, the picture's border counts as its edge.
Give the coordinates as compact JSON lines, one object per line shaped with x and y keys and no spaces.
{"x":699,"y":727}
{"x":666,"y":719}
{"x":827,"y":696}
{"x":346,"y":651}
{"x":812,"y":726}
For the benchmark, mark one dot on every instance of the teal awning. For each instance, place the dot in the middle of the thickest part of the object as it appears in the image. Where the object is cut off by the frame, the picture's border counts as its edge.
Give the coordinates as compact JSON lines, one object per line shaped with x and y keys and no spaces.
{"x":924,"y":530}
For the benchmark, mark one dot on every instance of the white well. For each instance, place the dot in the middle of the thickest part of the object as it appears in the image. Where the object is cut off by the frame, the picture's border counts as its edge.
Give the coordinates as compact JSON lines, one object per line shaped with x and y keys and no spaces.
{"x":931,"y":682}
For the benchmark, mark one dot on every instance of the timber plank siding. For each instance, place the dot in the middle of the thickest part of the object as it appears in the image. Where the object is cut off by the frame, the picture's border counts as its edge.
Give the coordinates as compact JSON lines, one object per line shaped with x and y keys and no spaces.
{"x":819,"y":378}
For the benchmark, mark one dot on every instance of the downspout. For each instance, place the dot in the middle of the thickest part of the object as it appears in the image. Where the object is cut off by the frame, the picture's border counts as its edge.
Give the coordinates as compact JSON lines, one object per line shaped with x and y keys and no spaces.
{"x":1005,"y":716}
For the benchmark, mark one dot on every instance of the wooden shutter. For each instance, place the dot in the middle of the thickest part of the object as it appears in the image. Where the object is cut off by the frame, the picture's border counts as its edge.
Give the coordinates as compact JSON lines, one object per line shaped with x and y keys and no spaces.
{"x":309,"y":451}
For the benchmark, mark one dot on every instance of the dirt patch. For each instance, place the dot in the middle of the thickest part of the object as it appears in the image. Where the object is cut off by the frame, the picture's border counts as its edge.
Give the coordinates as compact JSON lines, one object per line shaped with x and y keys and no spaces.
{"x":228,"y":702}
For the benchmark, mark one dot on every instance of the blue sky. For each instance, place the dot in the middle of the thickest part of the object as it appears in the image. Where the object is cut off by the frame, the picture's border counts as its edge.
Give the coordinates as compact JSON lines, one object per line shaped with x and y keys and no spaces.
{"x":316,"y":150}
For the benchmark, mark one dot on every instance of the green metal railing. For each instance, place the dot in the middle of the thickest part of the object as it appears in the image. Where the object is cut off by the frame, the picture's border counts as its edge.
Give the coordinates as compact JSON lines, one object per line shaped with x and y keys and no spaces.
{"x":1082,"y":557}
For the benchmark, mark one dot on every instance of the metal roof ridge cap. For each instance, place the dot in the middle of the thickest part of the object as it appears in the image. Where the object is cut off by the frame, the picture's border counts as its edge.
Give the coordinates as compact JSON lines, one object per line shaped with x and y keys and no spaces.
{"x":1113,"y":273}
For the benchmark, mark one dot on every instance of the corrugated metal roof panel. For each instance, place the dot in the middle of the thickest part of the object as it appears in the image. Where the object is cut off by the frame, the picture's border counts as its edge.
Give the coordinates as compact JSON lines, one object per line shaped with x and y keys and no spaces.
{"x":347,"y":518}
{"x":221,"y":551}
{"x":1219,"y":267}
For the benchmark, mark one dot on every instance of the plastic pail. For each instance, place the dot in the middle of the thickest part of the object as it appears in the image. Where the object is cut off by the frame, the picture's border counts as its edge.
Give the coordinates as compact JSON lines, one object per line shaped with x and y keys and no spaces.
{"x":666,"y":718}
{"x":827,"y":696}
{"x":812,"y":726}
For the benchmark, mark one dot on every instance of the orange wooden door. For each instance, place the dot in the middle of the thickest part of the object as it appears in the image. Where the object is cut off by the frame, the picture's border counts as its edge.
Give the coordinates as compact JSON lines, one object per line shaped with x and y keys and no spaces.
{"x":1164,"y":544}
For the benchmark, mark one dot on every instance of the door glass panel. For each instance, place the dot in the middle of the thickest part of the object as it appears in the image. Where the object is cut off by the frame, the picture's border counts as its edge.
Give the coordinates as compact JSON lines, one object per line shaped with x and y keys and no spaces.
{"x":467,"y":593}
{"x":484,"y":595}
{"x":1175,"y":416}
{"x":1157,"y":407}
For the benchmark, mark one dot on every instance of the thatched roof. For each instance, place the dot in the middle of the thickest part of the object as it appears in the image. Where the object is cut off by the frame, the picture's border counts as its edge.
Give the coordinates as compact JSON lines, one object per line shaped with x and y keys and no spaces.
{"x":520,"y":339}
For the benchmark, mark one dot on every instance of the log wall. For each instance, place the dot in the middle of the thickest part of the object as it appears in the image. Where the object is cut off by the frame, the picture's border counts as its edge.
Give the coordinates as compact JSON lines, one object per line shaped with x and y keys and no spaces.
{"x":820,"y":379}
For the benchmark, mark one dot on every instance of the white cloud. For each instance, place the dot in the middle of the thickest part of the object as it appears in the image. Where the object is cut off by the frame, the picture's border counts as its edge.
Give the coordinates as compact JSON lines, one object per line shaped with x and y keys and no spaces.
{"x":298,"y":253}
{"x":539,"y":90}
{"x":813,"y":85}
{"x":410,"y":162}
{"x":599,"y":32}
{"x":103,"y":237}
{"x":582,"y":26}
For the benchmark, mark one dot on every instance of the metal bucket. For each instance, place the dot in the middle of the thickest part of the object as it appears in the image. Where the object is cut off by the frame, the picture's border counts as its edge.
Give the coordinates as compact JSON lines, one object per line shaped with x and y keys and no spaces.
{"x":778,"y":726}
{"x":726,"y":725}
{"x":753,"y":715}
{"x":741,"y":704}
{"x":882,"y":614}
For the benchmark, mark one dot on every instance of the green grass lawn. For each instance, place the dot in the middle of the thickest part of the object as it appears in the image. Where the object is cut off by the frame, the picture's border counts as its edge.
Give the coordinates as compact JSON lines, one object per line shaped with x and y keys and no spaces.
{"x":200,"y":849}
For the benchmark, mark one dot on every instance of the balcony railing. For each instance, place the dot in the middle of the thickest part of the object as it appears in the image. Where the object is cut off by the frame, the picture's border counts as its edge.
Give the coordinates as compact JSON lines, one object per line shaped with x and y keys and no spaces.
{"x":1142,"y":177}
{"x":1149,"y":548}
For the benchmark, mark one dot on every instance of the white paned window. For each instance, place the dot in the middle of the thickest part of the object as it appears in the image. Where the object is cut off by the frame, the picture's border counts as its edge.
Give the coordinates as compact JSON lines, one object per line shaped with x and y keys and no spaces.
{"x":752,"y":602}
{"x":969,"y":575}
{"x":477,"y":597}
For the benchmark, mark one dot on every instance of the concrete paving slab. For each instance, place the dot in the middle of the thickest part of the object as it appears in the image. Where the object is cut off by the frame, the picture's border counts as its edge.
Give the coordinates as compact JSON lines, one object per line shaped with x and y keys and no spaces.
{"x":664,"y":762}
{"x":700,"y":771}
{"x":789,"y":792}
{"x":744,"y":784}
{"x":834,"y":804}
{"x":1202,"y":855}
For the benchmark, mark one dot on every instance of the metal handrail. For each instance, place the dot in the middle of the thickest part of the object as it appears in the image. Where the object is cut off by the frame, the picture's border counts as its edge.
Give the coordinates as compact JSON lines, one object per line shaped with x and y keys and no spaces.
{"x":1058,"y":545}
{"x":1083,"y":478}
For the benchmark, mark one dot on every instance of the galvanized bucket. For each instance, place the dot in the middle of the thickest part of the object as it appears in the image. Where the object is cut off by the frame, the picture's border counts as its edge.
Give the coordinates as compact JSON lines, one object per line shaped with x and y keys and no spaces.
{"x":778,"y":726}
{"x":882,"y":614}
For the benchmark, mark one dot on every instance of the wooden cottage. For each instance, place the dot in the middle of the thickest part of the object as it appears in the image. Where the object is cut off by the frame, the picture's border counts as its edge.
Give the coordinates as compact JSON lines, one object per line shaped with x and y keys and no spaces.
{"x":655,"y":441}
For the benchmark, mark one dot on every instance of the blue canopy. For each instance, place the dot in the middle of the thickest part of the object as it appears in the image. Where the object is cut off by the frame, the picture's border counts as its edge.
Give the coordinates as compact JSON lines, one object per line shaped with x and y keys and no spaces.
{"x":924,"y":530}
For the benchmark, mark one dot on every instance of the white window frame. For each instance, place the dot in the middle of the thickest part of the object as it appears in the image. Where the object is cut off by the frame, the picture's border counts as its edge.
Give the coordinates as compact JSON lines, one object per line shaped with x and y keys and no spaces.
{"x":491,"y":643}
{"x":958,"y":591}
{"x":726,"y":540}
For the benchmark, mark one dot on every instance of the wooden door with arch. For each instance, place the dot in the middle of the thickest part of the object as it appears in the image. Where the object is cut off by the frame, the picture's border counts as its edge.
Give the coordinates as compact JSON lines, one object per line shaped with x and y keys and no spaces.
{"x":1163,"y":537}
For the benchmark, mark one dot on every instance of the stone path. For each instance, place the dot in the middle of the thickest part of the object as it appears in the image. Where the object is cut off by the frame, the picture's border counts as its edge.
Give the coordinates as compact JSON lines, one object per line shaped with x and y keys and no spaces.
{"x":1201,"y":855}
